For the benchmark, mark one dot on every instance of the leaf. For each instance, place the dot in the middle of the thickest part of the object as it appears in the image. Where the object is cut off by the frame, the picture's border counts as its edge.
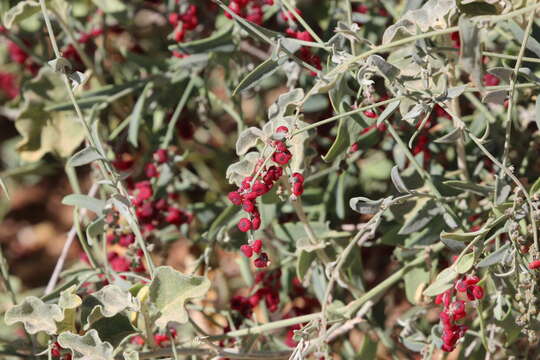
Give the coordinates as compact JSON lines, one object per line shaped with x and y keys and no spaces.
{"x":69,"y":299}
{"x":109,"y":301}
{"x":465,"y":263}
{"x":237,"y":171}
{"x":87,"y":347}
{"x":303,"y":263}
{"x":114,"y":329}
{"x":430,"y":16}
{"x":21,"y":11}
{"x":170,"y":290}
{"x":248,"y":139}
{"x":532,"y":44}
{"x":398,"y":181}
{"x":368,"y":351}
{"x":495,"y":257}
{"x":84,"y":201}
{"x":83,"y":157}
{"x":364,"y":205}
{"x":495,"y":97}
{"x":452,"y":244}
{"x":46,"y":131}
{"x":421,"y":217}
{"x":342,"y":141}
{"x":35,"y":315}
{"x":442,"y":283}
{"x":463,"y":236}
{"x":536,"y":187}
{"x":219,"y":41}
{"x":450,"y":138}
{"x":471,"y":53}
{"x":110,"y":6}
{"x":414,"y":113}
{"x":385,"y":68}
{"x":477,"y":8}
{"x":388,"y":111}
{"x":136,"y":116}
{"x":279,"y":108}
{"x":468,"y":186}
{"x":414,"y":279}
{"x":96,"y":228}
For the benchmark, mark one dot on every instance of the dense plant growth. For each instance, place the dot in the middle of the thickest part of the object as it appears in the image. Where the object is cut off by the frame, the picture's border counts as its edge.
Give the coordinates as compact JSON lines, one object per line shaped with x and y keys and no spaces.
{"x":274,"y":179}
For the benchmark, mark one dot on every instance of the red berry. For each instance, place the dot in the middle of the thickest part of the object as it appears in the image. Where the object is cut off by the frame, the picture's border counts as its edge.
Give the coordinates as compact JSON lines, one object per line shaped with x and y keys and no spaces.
{"x":248,"y":206}
{"x":298,"y":189}
{"x":370,"y":114}
{"x":282,"y":158}
{"x":244,"y":225}
{"x":534,"y":264}
{"x":261,"y":261}
{"x":235,"y":197}
{"x":246,"y":250}
{"x":472,"y":280}
{"x":151,"y":171}
{"x":257,"y":246}
{"x":282,"y":129}
{"x":259,"y":188}
{"x":161,"y":156}
{"x":478,"y":292}
{"x":297,"y":178}
{"x":256,"y":222}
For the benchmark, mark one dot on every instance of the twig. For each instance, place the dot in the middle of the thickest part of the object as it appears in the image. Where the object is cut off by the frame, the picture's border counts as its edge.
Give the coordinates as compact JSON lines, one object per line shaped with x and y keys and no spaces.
{"x":511,"y":99}
{"x":67,"y":245}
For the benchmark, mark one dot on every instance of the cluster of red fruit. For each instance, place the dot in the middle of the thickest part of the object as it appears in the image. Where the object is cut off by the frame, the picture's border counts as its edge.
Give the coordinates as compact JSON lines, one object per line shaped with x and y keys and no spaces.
{"x":305,"y":52}
{"x":252,"y":188}
{"x":160,"y":339}
{"x":250,"y":10}
{"x":20,"y":56}
{"x":456,"y":310}
{"x":268,"y":285}
{"x":183,"y":22}
{"x":151,"y":212}
{"x":255,"y":248}
{"x":69,"y":51}
{"x":56,"y":352}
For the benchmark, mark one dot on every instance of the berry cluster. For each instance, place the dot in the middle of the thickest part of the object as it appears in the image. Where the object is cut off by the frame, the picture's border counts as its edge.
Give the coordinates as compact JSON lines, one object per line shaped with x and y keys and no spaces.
{"x":255,"y":248}
{"x":71,"y":53}
{"x":58,"y":352}
{"x":268,"y":285}
{"x":251,"y":10}
{"x":160,"y":339}
{"x":252,"y":188}
{"x":305,"y":52}
{"x":152,"y":212}
{"x":183,"y":22}
{"x":455,"y":310}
